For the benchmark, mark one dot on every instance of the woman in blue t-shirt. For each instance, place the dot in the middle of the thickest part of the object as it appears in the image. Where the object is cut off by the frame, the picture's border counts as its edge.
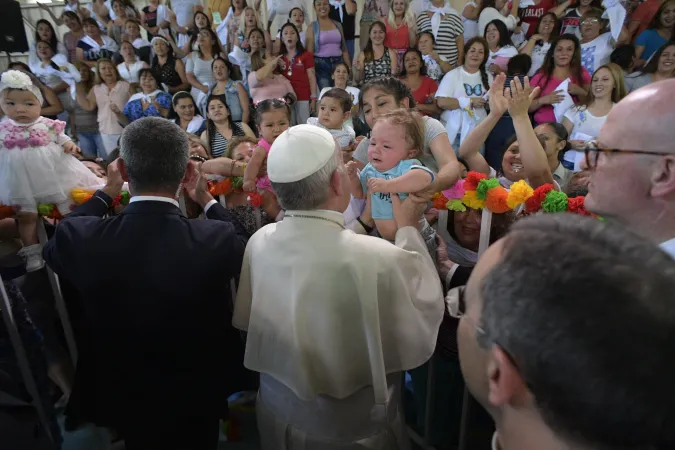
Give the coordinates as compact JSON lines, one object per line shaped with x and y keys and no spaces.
{"x":659,"y":32}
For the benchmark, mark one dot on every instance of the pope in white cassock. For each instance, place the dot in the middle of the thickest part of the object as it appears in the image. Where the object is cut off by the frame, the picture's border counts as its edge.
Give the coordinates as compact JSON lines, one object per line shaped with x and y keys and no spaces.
{"x":333,"y":318}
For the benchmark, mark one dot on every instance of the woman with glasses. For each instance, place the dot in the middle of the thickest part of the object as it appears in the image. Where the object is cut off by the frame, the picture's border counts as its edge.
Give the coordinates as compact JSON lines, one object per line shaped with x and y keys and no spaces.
{"x":597,"y":43}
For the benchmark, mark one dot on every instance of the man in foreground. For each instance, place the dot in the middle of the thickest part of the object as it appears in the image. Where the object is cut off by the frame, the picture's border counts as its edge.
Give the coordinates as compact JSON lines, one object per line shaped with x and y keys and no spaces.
{"x":633,"y":168}
{"x":565,"y":333}
{"x":160,"y":356}
{"x":333,"y":318}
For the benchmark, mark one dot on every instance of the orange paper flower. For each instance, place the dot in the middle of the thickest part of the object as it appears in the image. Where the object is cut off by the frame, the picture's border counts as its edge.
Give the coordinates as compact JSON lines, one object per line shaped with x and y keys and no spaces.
{"x":497,"y":200}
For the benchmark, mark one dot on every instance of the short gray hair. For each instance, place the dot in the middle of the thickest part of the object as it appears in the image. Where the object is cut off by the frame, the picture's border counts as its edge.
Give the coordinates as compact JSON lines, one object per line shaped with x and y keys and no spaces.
{"x":311,"y":192}
{"x":156,"y":153}
{"x":586,"y":309}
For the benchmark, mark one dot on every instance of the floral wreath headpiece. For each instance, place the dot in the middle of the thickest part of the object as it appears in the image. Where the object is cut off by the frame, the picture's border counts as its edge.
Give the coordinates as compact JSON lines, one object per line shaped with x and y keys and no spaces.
{"x":16,"y":79}
{"x":478,"y":191}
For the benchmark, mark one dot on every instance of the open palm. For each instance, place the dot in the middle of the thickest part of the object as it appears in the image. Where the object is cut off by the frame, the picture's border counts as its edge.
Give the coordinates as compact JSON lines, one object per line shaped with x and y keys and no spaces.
{"x":498,"y":103}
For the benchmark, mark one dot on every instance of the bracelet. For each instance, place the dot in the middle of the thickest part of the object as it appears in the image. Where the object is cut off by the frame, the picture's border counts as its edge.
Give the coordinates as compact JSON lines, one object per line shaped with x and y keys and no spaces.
{"x":365,"y":227}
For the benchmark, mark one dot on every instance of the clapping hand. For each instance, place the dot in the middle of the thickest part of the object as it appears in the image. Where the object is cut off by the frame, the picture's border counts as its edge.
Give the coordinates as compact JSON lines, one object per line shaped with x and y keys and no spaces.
{"x":498,"y":103}
{"x":520,"y":97}
{"x":113,"y":186}
{"x":196,"y":186}
{"x":115,"y":108}
{"x":552,"y":98}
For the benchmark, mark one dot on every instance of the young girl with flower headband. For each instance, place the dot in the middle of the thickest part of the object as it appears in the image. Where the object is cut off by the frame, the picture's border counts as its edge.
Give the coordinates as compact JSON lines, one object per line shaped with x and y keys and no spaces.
{"x":36,"y":162}
{"x":273,"y":117}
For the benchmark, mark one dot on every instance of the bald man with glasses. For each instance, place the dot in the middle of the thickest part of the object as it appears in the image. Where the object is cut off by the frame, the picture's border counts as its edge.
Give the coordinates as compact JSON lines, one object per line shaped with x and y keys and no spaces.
{"x":633,"y":164}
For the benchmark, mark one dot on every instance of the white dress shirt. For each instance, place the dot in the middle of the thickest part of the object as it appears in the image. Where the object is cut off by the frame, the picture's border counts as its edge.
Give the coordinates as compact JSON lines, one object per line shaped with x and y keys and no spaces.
{"x":155,"y":198}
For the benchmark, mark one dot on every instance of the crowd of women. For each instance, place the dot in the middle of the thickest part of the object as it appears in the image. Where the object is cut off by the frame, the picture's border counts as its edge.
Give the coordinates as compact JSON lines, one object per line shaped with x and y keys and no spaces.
{"x":234,"y":87}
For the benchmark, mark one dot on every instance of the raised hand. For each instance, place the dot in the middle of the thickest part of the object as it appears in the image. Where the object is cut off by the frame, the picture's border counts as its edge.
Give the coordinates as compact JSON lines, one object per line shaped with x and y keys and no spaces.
{"x":498,"y":103}
{"x":520,"y":97}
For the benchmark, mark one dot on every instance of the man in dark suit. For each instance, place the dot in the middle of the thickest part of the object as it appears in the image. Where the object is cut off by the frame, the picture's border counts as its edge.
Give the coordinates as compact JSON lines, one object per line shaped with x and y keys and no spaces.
{"x":161,"y":356}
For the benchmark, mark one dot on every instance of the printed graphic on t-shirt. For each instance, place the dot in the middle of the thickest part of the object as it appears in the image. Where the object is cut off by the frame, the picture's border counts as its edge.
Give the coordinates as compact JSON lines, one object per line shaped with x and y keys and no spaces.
{"x":588,"y":58}
{"x":476,"y":90}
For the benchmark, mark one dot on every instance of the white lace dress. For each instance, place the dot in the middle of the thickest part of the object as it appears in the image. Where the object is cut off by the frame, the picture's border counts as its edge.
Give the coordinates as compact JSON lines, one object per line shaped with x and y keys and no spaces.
{"x":34,"y":168}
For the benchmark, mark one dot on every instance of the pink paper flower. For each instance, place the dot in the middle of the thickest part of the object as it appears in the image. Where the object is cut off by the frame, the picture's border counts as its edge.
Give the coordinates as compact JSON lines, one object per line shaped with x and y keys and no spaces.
{"x":456,"y":192}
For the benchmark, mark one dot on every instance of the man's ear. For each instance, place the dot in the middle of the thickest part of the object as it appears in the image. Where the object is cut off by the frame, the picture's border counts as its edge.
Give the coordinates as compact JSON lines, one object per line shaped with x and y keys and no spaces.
{"x":505,"y":383}
{"x":122,"y":167}
{"x":663,"y":178}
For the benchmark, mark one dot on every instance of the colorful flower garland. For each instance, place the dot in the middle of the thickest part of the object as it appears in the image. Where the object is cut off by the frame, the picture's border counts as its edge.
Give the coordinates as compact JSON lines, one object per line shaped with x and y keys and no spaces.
{"x":228,"y":185}
{"x":477,"y":191}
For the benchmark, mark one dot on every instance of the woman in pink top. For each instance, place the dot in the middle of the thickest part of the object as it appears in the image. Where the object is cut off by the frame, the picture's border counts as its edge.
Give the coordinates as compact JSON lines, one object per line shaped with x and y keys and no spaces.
{"x":562,"y":61}
{"x":264,"y":84}
{"x":110,"y":94}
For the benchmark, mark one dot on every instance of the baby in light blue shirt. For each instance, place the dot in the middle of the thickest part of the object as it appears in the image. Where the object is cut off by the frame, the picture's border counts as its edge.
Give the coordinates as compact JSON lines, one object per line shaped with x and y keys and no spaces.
{"x":396,"y":139}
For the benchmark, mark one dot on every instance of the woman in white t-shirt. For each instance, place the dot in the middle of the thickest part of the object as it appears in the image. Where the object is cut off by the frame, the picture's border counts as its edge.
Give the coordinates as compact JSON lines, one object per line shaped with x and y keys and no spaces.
{"x":462,"y":92}
{"x":596,"y":45}
{"x":583,"y":122}
{"x":537,"y":46}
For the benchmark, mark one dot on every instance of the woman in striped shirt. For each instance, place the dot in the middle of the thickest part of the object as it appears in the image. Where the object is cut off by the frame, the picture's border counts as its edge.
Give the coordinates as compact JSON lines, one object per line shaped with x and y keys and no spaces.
{"x":220,"y":128}
{"x":446,"y":26}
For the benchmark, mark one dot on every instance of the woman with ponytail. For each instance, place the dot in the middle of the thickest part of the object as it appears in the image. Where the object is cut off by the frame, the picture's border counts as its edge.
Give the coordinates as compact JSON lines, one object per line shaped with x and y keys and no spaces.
{"x":462,"y":91}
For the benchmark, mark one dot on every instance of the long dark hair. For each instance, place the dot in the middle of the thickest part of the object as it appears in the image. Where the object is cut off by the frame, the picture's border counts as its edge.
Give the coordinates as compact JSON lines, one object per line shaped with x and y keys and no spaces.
{"x":73,"y":16}
{"x":194,"y":31}
{"x":53,"y":42}
{"x":653,"y":64}
{"x":216,"y":49}
{"x":486,"y":55}
{"x":556,"y":25}
{"x":575,"y":64}
{"x":227,"y":64}
{"x":153,"y":74}
{"x":300,"y":49}
{"x":173,"y":115}
{"x":656,"y":20}
{"x":51,"y":63}
{"x":423,"y":67}
{"x":504,"y":37}
{"x":210,"y":125}
{"x":562,"y":135}
{"x":368,"y":51}
{"x":390,"y":85}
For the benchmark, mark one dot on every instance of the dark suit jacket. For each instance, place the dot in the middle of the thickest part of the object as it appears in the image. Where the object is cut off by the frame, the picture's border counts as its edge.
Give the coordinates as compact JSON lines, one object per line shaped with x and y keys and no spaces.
{"x":158,"y":309}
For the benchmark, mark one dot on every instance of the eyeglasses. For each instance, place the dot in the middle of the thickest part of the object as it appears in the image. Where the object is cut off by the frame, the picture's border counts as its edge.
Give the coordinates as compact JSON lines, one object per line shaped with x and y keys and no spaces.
{"x":456,"y":307}
{"x":590,"y":21}
{"x":592,"y":152}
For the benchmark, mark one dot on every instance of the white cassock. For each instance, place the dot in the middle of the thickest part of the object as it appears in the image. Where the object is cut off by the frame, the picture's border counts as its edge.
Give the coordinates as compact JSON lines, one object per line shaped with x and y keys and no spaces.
{"x":333,"y":319}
